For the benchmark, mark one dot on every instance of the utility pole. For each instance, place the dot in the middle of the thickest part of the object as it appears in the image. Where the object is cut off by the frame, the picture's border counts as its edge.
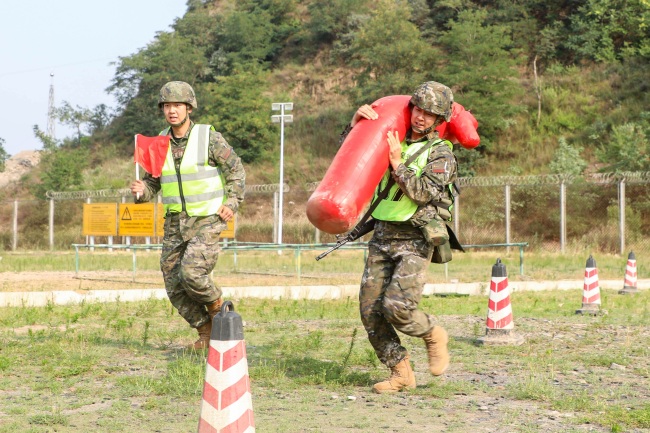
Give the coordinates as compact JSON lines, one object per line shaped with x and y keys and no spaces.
{"x":282,"y":106}
{"x":50,"y":109}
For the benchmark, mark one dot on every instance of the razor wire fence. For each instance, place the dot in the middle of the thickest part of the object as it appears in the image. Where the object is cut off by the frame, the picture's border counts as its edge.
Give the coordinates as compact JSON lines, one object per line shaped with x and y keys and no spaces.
{"x":607,"y":212}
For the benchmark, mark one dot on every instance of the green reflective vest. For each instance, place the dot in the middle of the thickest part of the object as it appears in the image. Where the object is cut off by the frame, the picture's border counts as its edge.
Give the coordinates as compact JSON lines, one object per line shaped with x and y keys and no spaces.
{"x":397,"y":206}
{"x":197,"y":188}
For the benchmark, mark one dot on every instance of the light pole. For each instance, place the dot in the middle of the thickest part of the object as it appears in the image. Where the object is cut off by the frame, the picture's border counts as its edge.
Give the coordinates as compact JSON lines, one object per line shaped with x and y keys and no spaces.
{"x":281,"y":119}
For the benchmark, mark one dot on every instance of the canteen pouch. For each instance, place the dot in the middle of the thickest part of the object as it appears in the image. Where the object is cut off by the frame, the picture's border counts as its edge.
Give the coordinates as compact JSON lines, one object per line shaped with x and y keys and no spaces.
{"x":441,"y":253}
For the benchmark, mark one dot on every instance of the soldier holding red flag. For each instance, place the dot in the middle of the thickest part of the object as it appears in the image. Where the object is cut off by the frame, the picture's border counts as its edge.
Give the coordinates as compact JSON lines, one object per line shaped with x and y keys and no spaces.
{"x":202,"y":185}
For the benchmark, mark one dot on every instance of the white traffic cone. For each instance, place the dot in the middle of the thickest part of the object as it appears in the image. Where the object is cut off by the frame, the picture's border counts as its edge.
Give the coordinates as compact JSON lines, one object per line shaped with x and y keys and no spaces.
{"x":227,"y":401}
{"x":591,"y":289}
{"x":629,"y":286}
{"x":500,"y":324}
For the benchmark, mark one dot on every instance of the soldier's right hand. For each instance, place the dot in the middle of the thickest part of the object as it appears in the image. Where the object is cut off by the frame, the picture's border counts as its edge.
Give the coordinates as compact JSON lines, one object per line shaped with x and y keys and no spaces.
{"x":137,"y":187}
{"x":364,"y":112}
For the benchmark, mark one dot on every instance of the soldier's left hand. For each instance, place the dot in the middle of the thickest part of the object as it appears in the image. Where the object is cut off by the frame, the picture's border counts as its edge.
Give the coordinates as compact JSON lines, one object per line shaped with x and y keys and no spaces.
{"x":225,"y":213}
{"x":394,"y":149}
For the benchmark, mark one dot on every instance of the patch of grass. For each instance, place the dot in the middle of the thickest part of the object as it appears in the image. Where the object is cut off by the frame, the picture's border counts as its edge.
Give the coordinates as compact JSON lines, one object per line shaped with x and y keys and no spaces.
{"x":116,"y":365}
{"x":340,"y":267}
{"x":52,"y":419}
{"x":621,"y":417}
{"x":534,"y":386}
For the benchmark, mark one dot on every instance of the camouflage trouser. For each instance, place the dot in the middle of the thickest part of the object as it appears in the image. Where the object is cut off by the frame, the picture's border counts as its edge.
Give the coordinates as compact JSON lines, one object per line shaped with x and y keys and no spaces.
{"x":189,"y":254}
{"x":391,"y":288}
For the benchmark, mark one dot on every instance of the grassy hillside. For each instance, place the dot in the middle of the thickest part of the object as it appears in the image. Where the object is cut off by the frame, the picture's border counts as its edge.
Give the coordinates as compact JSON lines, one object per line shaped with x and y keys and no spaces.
{"x":547,"y":98}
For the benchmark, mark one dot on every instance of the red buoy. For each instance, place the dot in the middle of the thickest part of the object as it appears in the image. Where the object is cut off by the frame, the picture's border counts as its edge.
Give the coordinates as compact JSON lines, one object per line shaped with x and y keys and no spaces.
{"x":357,"y":168}
{"x":350,"y":181}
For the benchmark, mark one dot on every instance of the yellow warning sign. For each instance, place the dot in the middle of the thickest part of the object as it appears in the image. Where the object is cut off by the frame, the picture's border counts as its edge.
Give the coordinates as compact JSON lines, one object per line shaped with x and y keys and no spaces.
{"x":230,"y":231}
{"x":99,"y":219}
{"x":160,"y":220}
{"x":136,"y":219}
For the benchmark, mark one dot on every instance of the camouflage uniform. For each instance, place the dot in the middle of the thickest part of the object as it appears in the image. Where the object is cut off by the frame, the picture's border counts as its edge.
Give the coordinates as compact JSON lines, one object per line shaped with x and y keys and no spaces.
{"x":190,"y":245}
{"x":399,"y":253}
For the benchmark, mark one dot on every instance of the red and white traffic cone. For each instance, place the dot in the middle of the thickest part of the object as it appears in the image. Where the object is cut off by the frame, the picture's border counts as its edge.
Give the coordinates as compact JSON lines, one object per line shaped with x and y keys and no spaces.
{"x":227,"y":405}
{"x":500,"y":324}
{"x":591,"y":290}
{"x":629,"y":286}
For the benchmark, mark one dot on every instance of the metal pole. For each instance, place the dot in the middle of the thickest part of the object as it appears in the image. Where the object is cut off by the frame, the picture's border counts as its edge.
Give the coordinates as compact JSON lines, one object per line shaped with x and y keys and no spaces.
{"x":621,"y":214}
{"x":275,"y":217}
{"x":281,"y":173}
{"x":90,"y":240}
{"x":507,"y":198}
{"x":281,"y":119}
{"x":562,"y":216}
{"x":51,"y":224}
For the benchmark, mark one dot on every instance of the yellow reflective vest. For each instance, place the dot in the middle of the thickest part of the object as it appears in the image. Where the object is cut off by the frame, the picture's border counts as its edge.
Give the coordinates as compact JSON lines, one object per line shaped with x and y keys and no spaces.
{"x":397,"y":206}
{"x":197,"y":188}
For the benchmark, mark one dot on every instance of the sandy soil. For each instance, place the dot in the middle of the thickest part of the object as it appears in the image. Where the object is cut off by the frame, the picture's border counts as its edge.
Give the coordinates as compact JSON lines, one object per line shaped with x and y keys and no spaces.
{"x":120,"y":280}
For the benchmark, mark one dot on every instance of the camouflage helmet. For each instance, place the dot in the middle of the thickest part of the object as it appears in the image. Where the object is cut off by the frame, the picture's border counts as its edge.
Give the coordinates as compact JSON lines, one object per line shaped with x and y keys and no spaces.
{"x":177,"y":91}
{"x":434,"y":97}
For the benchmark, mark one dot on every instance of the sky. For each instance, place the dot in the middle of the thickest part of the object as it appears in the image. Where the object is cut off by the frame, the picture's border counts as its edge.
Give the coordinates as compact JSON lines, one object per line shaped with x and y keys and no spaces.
{"x":76,"y":40}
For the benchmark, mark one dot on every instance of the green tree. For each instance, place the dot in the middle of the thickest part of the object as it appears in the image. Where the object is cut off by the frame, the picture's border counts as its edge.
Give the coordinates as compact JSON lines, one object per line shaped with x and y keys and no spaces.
{"x":236,"y":106}
{"x":329,"y":19}
{"x":74,"y":117}
{"x":4,"y":156}
{"x":255,"y":32}
{"x":138,"y":79}
{"x":49,"y":143}
{"x":607,"y":30}
{"x":628,"y":148}
{"x":61,"y":170}
{"x":390,"y":54}
{"x":481,"y":70}
{"x":567,"y":159}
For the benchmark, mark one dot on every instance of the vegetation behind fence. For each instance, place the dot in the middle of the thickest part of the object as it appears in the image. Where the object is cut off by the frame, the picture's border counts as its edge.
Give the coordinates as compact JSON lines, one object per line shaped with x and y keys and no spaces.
{"x":606,"y":213}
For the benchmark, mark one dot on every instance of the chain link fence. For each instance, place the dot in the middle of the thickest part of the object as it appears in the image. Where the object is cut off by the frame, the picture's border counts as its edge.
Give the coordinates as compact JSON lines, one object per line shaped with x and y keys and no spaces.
{"x":609,"y":213}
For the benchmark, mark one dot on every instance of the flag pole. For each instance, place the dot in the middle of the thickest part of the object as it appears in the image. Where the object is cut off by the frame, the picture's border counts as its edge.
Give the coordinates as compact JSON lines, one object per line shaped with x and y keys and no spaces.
{"x":137,"y":166}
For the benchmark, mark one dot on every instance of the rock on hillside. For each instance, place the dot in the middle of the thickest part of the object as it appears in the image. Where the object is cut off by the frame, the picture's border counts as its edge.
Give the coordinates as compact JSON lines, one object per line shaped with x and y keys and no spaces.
{"x":18,"y":165}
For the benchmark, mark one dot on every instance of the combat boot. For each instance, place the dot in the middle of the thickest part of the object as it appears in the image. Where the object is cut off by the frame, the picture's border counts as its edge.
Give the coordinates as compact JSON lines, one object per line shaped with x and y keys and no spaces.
{"x":401,"y":377}
{"x":436,"y":343}
{"x":214,"y":308}
{"x":204,"y":337}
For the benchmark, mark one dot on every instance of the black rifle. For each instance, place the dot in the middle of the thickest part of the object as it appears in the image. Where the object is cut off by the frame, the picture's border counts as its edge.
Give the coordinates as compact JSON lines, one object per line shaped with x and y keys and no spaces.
{"x":354,"y":234}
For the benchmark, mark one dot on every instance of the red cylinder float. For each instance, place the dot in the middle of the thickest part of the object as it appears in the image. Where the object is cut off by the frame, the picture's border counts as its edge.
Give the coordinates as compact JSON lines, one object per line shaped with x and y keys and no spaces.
{"x":350,"y":181}
{"x":462,"y":125}
{"x":357,"y":168}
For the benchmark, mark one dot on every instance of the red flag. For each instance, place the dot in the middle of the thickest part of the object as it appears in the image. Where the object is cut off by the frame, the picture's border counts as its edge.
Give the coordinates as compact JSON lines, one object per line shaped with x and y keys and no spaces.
{"x":150,"y":152}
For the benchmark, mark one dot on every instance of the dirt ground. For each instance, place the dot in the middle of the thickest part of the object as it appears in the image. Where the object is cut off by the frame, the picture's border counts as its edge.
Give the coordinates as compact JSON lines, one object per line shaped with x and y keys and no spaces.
{"x":50,"y":281}
{"x":481,"y":400}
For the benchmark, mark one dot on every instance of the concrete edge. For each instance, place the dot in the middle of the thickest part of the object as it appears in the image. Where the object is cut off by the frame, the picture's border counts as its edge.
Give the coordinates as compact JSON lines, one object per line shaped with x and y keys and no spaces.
{"x":63,"y":297}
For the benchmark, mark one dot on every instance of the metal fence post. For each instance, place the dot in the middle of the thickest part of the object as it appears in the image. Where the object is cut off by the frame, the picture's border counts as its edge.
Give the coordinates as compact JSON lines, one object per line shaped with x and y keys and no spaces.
{"x":51,"y":223}
{"x":562,"y":216}
{"x":621,"y":214}
{"x":90,"y":240}
{"x":507,"y":200}
{"x":275,"y":217}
